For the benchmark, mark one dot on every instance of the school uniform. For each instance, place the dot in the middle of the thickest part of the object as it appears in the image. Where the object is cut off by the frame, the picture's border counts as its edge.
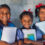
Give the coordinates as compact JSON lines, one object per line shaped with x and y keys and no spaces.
{"x":20,"y":35}
{"x":39,"y":33}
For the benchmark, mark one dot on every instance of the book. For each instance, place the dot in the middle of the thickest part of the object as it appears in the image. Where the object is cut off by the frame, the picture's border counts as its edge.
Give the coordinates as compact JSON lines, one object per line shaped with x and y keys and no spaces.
{"x":30,"y":34}
{"x":41,"y":26}
{"x":9,"y":34}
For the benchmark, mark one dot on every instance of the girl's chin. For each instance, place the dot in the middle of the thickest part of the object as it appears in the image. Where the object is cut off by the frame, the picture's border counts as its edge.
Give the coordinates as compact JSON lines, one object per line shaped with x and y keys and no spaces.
{"x":27,"y":27}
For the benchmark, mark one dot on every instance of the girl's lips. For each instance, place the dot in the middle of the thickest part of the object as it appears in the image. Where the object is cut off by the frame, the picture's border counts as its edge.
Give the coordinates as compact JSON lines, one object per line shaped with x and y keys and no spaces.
{"x":27,"y":26}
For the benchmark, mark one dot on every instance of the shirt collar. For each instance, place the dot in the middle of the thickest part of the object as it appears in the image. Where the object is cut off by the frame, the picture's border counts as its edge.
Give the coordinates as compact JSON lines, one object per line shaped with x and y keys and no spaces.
{"x":24,"y":27}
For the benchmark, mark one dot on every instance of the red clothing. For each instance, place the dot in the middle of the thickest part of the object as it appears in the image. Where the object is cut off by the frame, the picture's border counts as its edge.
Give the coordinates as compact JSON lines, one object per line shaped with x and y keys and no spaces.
{"x":44,"y":43}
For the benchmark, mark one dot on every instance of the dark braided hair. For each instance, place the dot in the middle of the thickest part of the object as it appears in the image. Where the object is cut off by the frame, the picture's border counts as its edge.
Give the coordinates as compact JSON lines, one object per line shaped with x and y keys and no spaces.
{"x":5,"y":5}
{"x":26,"y":13}
{"x":37,"y":10}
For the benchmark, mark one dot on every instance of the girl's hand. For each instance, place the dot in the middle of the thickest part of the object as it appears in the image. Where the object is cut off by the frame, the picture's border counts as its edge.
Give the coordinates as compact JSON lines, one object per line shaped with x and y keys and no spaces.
{"x":26,"y":41}
{"x":15,"y":43}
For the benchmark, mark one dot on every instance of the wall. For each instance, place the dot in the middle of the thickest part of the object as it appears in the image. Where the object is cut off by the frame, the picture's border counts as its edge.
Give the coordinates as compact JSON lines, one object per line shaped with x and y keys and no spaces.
{"x":17,"y":6}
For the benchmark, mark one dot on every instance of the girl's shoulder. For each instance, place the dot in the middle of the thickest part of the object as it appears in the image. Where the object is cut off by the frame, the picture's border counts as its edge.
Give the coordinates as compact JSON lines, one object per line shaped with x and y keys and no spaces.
{"x":37,"y":29}
{"x":11,"y":24}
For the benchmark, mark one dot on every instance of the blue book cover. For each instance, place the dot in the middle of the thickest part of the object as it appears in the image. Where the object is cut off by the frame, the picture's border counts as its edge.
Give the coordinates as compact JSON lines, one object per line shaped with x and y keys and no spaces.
{"x":30,"y":36}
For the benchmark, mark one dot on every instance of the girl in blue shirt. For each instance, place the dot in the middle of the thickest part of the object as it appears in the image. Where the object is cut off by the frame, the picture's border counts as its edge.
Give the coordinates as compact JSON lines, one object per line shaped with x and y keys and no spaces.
{"x":4,"y":20}
{"x":26,"y":20}
{"x":40,"y":13}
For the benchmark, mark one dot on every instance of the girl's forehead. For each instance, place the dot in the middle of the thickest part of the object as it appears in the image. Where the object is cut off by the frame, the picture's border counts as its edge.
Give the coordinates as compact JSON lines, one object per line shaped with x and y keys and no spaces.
{"x":4,"y":8}
{"x":42,"y":9}
{"x":26,"y":16}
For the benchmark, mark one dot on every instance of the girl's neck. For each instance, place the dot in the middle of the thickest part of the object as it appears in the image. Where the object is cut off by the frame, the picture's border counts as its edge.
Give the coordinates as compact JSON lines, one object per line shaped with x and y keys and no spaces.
{"x":26,"y":28}
{"x":5,"y":23}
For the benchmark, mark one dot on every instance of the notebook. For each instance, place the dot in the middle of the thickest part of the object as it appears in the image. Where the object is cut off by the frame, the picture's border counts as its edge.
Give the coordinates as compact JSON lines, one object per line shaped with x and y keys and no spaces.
{"x":30,"y":34}
{"x":41,"y":26}
{"x":9,"y":34}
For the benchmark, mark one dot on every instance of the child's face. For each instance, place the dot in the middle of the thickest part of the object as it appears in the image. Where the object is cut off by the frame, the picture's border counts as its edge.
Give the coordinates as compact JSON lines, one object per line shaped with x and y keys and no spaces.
{"x":42,"y":14}
{"x":26,"y":21}
{"x":4,"y":14}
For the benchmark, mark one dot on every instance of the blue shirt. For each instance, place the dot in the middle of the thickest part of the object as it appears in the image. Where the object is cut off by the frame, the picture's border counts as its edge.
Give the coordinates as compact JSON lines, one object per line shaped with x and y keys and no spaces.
{"x":20,"y":35}
{"x":1,"y":28}
{"x":39,"y":34}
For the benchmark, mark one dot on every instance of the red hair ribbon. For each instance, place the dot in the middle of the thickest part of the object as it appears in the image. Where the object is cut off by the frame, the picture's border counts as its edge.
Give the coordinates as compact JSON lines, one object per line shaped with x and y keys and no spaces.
{"x":24,"y":10}
{"x":40,"y":4}
{"x":29,"y":10}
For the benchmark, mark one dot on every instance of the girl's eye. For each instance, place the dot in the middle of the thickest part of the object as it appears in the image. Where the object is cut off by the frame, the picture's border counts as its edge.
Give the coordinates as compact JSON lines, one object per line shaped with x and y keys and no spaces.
{"x":7,"y":13}
{"x":1,"y":13}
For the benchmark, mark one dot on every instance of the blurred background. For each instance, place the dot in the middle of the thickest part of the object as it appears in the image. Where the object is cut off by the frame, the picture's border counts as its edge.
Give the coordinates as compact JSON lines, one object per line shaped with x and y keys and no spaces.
{"x":17,"y":6}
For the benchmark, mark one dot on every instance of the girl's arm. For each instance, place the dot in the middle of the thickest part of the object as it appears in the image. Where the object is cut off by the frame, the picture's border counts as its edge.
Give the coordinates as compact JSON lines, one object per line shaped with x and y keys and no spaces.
{"x":15,"y":43}
{"x":44,"y":36}
{"x":26,"y":41}
{"x":3,"y":43}
{"x":20,"y":42}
